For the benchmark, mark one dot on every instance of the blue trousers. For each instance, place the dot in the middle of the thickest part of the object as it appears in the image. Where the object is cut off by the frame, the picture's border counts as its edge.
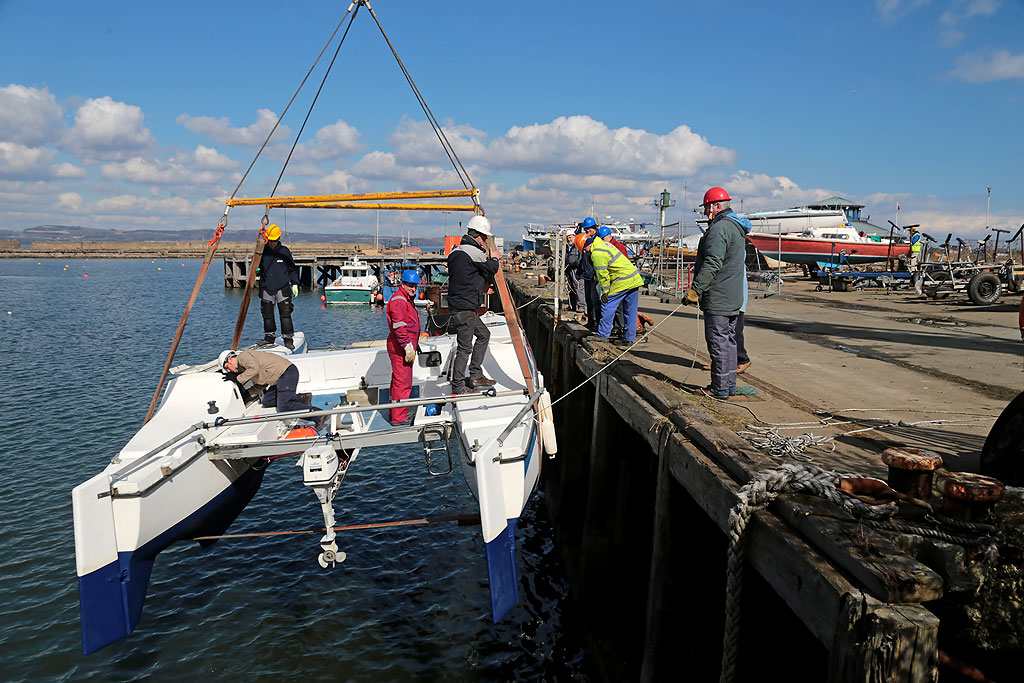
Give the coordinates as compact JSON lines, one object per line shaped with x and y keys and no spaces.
{"x":720,"y":335}
{"x":629,"y":299}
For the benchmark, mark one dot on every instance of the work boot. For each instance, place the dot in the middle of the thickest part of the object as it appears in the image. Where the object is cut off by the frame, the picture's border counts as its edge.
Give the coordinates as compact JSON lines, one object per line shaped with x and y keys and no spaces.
{"x":265,"y":342}
{"x":307,"y":398}
{"x":480,"y":382}
{"x":458,"y":391}
{"x":290,"y":344}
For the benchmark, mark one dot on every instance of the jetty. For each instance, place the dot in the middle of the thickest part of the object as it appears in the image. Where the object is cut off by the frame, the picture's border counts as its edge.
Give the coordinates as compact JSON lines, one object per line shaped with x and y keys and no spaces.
{"x":644,"y":492}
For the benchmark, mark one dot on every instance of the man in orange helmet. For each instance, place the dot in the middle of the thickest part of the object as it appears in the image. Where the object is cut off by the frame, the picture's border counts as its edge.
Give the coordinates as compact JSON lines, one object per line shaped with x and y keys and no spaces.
{"x":717,"y":286}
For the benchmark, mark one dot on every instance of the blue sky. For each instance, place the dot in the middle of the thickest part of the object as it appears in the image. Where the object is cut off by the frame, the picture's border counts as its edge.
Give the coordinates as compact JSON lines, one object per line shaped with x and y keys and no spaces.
{"x":143,"y":115}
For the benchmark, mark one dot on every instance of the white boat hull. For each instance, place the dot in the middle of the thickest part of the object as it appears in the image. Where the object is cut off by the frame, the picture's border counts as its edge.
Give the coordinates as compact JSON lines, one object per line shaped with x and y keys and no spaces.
{"x":183,"y":477}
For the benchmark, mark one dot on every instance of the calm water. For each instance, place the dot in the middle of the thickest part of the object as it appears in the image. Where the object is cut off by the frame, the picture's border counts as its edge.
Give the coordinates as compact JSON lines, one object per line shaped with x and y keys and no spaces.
{"x":81,"y":358}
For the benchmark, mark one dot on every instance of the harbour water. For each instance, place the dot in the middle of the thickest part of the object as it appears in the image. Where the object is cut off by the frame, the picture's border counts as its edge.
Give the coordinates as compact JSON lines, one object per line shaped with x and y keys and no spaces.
{"x":82,"y":346}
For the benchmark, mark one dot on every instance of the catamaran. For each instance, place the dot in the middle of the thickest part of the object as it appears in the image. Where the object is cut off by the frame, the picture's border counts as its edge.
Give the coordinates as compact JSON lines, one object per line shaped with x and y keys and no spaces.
{"x":207,"y":443}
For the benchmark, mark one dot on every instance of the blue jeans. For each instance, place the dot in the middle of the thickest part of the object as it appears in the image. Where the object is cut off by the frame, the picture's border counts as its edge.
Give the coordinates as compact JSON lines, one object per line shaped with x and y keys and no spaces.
{"x":720,"y":335}
{"x":629,"y":300}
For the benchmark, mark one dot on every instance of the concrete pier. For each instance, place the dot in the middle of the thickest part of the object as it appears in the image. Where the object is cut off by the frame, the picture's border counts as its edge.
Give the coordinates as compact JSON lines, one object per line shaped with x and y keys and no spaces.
{"x":647,"y":474}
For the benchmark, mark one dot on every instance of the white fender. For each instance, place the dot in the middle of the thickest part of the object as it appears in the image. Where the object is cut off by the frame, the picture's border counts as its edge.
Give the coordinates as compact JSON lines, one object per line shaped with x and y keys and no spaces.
{"x":547,"y":424}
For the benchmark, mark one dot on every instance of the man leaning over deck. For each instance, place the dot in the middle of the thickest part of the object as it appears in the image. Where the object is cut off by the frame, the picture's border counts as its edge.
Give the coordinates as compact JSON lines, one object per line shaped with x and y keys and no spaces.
{"x":278,"y":377}
{"x":718,"y":287}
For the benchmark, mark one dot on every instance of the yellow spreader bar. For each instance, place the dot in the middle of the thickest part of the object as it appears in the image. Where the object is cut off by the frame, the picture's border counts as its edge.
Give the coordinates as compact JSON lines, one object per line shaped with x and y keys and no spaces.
{"x":373,"y":200}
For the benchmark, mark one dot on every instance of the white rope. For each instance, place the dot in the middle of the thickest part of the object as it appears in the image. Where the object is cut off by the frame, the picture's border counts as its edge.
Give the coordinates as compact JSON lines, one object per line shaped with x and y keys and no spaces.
{"x":756,"y":494}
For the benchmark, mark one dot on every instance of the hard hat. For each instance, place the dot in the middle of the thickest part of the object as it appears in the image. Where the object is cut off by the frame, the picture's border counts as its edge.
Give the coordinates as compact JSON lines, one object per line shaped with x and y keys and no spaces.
{"x":580,"y":240}
{"x":715,"y":194}
{"x":481,"y":225}
{"x":410,"y":277}
{"x":604,"y":231}
{"x":223,"y":357}
{"x":273,"y":232}
{"x":588,"y":223}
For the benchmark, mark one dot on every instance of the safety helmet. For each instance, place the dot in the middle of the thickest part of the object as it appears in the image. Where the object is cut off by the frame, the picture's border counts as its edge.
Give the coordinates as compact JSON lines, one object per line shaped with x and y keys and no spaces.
{"x":273,"y":232}
{"x":604,"y":231}
{"x":481,"y":225}
{"x":715,"y":194}
{"x":588,"y":223}
{"x":581,"y":240}
{"x":223,"y":357}
{"x":410,"y":277}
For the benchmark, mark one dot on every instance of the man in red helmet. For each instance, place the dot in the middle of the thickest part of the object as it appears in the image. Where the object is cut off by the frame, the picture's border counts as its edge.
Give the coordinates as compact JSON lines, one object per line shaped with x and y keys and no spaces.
{"x":717,"y":286}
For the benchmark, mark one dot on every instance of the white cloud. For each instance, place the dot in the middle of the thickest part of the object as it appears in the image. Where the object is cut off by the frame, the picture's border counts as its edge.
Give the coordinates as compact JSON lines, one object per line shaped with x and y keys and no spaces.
{"x":29,"y":116}
{"x":105,"y":129}
{"x":586,"y":183}
{"x":897,"y":9}
{"x":335,"y":141}
{"x":147,"y":172}
{"x":579,"y":144}
{"x":384,"y":166}
{"x":340,"y":182}
{"x":221,"y":131}
{"x":206,"y":159}
{"x":70,"y":201}
{"x":68,"y":171}
{"x":19,"y":162}
{"x":415,"y":142}
{"x":997,"y":66}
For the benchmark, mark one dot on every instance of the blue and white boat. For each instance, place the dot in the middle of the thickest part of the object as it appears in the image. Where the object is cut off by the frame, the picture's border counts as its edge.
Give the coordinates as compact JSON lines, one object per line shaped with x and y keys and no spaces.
{"x":192,"y":469}
{"x":392,"y":278}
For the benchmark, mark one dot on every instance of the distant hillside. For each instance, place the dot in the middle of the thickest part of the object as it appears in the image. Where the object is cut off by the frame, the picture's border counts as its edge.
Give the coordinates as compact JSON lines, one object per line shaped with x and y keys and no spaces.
{"x":61,"y":233}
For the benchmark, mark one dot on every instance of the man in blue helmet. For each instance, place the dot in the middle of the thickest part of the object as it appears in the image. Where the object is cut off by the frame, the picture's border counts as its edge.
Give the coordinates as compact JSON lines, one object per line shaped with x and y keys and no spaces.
{"x":403,"y":340}
{"x":589,"y":276}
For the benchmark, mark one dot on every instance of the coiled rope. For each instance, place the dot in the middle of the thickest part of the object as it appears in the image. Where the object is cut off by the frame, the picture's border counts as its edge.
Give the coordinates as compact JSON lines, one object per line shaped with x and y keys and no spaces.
{"x":756,"y":494}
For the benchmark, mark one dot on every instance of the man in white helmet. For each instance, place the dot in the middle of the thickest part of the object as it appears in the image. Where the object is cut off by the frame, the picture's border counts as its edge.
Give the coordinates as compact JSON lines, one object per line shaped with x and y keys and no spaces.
{"x":471,"y":269}
{"x":278,"y":377}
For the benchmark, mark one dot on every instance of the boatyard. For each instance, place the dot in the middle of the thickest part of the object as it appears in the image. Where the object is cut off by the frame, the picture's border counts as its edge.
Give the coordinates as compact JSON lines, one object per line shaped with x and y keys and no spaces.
{"x":642,"y":495}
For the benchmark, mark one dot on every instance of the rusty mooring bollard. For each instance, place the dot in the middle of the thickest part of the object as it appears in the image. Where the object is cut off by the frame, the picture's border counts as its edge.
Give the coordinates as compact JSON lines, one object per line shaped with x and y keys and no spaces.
{"x":911,"y":470}
{"x":967,"y":496}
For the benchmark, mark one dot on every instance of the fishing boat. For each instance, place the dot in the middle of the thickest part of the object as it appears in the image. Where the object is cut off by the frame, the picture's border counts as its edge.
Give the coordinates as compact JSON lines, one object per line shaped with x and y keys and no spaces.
{"x":391,"y":280}
{"x":207,"y":442}
{"x":827,"y":247}
{"x":355,"y":284}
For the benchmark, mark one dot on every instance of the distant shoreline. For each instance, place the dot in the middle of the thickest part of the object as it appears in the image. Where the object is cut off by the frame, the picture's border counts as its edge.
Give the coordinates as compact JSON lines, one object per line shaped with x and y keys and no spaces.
{"x":190,"y":249}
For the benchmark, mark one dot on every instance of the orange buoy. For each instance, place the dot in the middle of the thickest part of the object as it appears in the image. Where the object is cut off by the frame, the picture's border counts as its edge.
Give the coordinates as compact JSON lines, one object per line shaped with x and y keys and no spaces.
{"x":301,"y":433}
{"x":323,"y":297}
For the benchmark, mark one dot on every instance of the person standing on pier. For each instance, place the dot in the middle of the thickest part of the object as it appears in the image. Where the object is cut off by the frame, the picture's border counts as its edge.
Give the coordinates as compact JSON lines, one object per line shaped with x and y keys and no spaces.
{"x":403,"y":340}
{"x":471,"y":269}
{"x":719,"y":273}
{"x":588,"y":228}
{"x":605,"y":233}
{"x":620,"y":283}
{"x":279,"y":284}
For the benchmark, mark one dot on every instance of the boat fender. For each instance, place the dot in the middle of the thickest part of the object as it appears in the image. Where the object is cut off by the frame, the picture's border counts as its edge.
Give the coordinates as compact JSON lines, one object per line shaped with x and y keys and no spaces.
{"x":547,"y":424}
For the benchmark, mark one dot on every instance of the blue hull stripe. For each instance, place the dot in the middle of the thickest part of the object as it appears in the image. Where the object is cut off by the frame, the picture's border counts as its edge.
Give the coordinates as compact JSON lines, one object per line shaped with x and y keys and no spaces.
{"x":501,"y":571}
{"x":111,"y":598}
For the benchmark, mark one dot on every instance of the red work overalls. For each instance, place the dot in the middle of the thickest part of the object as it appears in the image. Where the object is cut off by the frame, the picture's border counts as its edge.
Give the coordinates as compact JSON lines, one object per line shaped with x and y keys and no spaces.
{"x":403,"y":328}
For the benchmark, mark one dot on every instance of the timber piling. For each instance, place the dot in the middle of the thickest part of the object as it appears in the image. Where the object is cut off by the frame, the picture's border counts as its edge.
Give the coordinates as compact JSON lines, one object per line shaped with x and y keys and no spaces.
{"x":641,"y":492}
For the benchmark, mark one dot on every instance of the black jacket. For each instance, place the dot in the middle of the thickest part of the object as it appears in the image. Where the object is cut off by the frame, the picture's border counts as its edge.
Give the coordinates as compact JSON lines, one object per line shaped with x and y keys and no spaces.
{"x":277,"y":269}
{"x":470,"y":272}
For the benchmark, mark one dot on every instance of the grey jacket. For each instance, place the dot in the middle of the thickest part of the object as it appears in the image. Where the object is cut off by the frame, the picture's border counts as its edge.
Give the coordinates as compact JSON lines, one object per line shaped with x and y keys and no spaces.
{"x":719,"y":268}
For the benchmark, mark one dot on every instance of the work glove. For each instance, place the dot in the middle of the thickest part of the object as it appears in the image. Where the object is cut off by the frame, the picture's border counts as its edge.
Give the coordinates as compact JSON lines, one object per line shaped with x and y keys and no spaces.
{"x":295,"y":291}
{"x":691,"y":297}
{"x":410,"y":353}
{"x":604,"y":298}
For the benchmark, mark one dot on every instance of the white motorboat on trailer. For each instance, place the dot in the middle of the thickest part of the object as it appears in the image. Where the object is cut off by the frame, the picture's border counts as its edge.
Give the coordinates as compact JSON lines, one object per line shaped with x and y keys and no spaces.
{"x":191,"y":470}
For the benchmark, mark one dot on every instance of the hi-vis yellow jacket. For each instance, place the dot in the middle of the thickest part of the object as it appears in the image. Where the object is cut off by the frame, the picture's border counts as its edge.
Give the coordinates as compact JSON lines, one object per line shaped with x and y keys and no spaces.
{"x":614,"y":271}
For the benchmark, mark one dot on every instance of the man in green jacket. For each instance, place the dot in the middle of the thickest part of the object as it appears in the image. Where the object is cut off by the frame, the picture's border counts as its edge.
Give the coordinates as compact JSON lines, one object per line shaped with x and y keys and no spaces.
{"x":619,"y":282}
{"x":718,"y":286}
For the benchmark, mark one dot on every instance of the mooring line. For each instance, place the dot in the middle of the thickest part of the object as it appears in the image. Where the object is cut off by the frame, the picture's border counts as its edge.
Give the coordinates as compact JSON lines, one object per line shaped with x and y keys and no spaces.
{"x":464,"y":519}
